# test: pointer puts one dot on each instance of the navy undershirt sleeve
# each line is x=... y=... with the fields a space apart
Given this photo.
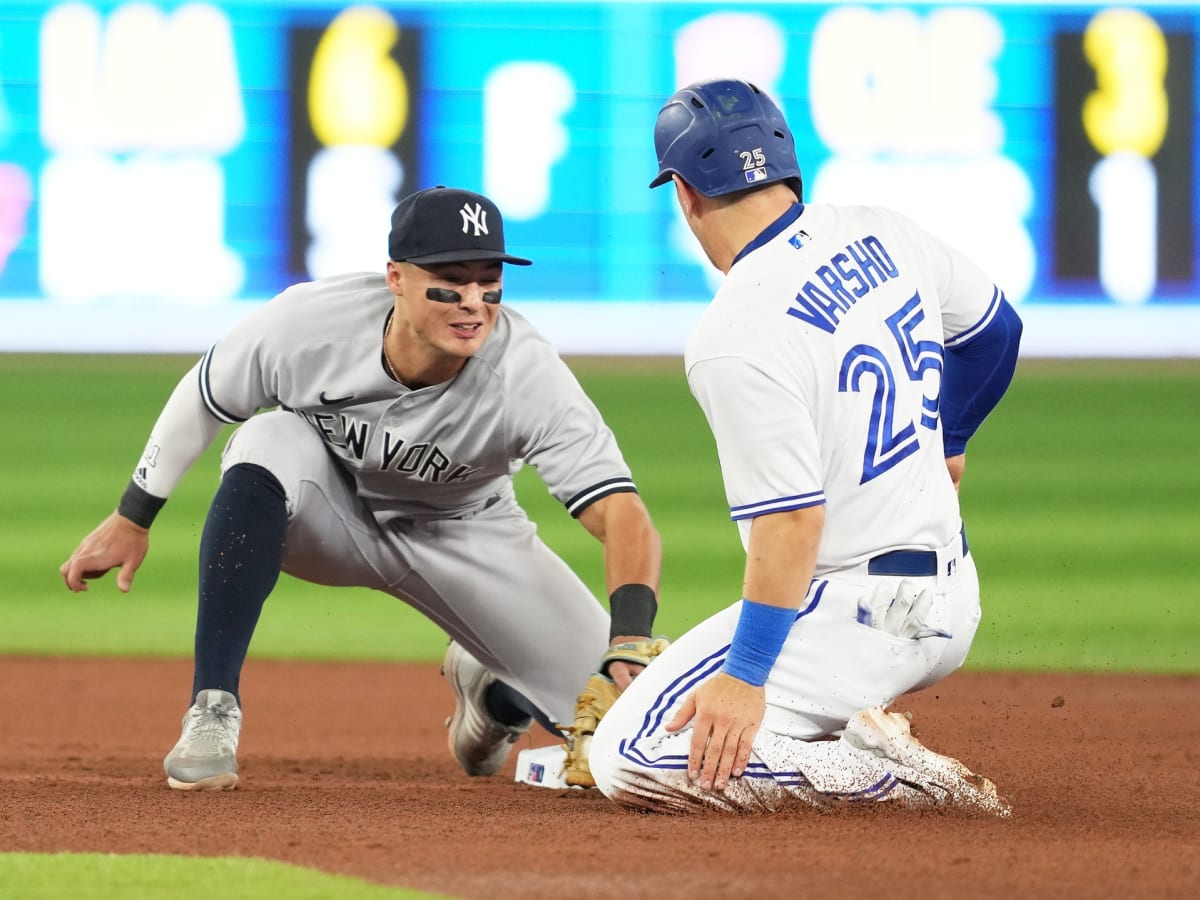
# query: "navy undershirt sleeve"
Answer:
x=975 y=375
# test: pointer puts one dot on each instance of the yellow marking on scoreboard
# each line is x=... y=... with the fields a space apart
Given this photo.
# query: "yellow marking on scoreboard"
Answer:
x=357 y=94
x=1128 y=109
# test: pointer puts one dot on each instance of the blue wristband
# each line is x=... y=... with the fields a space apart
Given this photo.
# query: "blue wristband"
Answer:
x=757 y=640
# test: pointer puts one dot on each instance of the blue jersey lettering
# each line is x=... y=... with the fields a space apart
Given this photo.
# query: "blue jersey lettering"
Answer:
x=848 y=278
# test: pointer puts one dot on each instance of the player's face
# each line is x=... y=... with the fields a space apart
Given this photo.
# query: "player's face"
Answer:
x=446 y=309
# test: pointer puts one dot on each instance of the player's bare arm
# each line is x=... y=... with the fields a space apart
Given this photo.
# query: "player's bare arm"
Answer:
x=726 y=711
x=632 y=556
x=115 y=542
x=632 y=548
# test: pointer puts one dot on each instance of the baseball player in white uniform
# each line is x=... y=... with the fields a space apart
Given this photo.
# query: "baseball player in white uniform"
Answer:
x=842 y=365
x=404 y=404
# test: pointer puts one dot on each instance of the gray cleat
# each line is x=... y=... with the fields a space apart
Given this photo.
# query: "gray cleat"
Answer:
x=478 y=742
x=205 y=759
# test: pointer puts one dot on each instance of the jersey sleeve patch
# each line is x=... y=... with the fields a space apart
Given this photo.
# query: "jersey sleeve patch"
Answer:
x=967 y=333
x=779 y=504
x=206 y=393
x=588 y=496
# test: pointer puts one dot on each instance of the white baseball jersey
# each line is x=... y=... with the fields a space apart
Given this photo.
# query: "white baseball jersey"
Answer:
x=818 y=365
x=440 y=451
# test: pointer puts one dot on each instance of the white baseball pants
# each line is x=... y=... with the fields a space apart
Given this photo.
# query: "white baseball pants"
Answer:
x=830 y=667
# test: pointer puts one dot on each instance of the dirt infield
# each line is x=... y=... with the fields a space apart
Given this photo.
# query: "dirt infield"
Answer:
x=345 y=769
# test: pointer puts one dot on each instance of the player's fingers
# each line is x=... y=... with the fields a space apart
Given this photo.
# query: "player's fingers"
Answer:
x=683 y=715
x=698 y=752
x=725 y=763
x=623 y=673
x=742 y=758
x=73 y=571
x=125 y=576
x=65 y=571
x=84 y=568
x=735 y=755
x=718 y=759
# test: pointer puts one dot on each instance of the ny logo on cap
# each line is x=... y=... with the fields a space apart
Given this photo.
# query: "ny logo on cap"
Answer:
x=476 y=217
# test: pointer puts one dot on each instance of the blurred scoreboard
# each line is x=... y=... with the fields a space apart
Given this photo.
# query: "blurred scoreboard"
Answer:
x=166 y=166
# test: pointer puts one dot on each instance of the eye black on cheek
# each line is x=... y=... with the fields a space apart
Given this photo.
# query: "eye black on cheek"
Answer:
x=492 y=296
x=442 y=295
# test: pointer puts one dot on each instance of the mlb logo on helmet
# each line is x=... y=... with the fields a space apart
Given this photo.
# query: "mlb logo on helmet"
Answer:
x=755 y=175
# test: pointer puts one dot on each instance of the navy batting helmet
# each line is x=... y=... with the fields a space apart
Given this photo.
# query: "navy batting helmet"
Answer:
x=724 y=136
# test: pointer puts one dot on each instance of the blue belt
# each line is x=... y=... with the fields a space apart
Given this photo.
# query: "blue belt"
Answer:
x=914 y=563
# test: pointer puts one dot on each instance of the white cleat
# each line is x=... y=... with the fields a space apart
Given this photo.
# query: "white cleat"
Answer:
x=205 y=759
x=945 y=780
x=478 y=742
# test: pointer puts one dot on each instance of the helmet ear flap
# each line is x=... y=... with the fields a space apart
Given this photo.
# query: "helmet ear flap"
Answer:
x=724 y=136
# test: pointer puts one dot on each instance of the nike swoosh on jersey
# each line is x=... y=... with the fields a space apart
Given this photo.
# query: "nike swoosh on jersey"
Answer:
x=331 y=401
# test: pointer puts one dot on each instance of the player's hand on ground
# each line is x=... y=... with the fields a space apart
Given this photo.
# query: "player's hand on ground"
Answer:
x=725 y=713
x=116 y=542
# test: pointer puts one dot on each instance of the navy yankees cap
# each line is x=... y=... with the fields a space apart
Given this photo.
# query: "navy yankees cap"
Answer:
x=442 y=224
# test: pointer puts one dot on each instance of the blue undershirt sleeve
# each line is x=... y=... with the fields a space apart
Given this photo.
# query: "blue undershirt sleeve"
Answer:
x=975 y=375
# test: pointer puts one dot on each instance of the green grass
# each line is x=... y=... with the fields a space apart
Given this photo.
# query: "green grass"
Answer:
x=1081 y=505
x=1080 y=500
x=99 y=876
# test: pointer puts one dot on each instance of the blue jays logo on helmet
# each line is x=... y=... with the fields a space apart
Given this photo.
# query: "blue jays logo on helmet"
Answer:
x=723 y=136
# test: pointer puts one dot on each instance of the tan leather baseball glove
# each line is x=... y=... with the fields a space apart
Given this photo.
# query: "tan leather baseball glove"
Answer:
x=594 y=702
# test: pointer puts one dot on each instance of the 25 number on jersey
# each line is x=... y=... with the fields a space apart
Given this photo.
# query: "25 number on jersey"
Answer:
x=890 y=440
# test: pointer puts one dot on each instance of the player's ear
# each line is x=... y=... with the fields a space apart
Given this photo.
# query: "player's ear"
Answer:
x=687 y=196
x=395 y=277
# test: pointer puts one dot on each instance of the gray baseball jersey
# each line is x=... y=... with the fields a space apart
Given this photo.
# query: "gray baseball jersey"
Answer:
x=410 y=491
x=437 y=452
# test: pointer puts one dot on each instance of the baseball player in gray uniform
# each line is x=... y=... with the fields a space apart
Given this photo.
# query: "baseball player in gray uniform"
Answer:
x=844 y=362
x=404 y=403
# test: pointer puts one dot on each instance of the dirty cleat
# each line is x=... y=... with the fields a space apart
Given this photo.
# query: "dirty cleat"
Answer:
x=478 y=741
x=945 y=780
x=205 y=759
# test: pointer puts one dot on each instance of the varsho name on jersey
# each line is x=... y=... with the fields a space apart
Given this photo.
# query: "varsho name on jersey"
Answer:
x=847 y=278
